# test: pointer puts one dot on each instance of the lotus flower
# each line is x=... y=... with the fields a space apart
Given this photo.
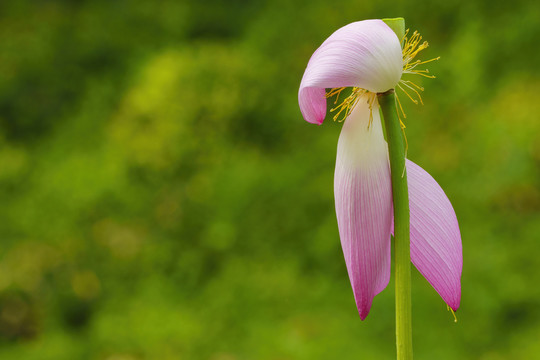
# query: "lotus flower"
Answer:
x=368 y=56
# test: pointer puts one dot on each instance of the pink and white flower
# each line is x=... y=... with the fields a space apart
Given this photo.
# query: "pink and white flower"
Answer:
x=368 y=56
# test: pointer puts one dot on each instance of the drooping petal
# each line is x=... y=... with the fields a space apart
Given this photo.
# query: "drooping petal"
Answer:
x=365 y=54
x=436 y=249
x=363 y=196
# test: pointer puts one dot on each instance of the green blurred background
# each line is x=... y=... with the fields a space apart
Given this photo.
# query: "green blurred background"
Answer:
x=162 y=197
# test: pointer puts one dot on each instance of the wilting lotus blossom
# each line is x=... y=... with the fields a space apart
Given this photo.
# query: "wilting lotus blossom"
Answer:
x=368 y=56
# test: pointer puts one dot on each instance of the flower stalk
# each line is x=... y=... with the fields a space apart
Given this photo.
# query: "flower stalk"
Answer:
x=402 y=252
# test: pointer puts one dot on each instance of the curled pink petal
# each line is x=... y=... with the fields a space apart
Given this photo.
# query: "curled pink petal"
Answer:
x=365 y=54
x=363 y=195
x=435 y=238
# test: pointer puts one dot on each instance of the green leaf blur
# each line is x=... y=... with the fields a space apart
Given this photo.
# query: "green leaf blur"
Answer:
x=162 y=197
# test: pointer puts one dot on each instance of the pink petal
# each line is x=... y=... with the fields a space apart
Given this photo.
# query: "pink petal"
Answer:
x=363 y=195
x=435 y=238
x=365 y=54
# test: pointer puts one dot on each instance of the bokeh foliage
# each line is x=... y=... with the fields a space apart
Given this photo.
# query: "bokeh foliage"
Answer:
x=162 y=197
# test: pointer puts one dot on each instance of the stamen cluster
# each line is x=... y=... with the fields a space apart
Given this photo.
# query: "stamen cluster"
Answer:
x=411 y=48
x=348 y=104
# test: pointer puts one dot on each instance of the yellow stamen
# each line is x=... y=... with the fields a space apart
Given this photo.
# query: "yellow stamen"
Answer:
x=372 y=98
x=412 y=46
x=413 y=84
x=406 y=93
x=345 y=108
x=402 y=112
x=453 y=313
x=408 y=84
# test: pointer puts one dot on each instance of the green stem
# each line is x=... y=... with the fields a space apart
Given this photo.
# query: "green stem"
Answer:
x=402 y=247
